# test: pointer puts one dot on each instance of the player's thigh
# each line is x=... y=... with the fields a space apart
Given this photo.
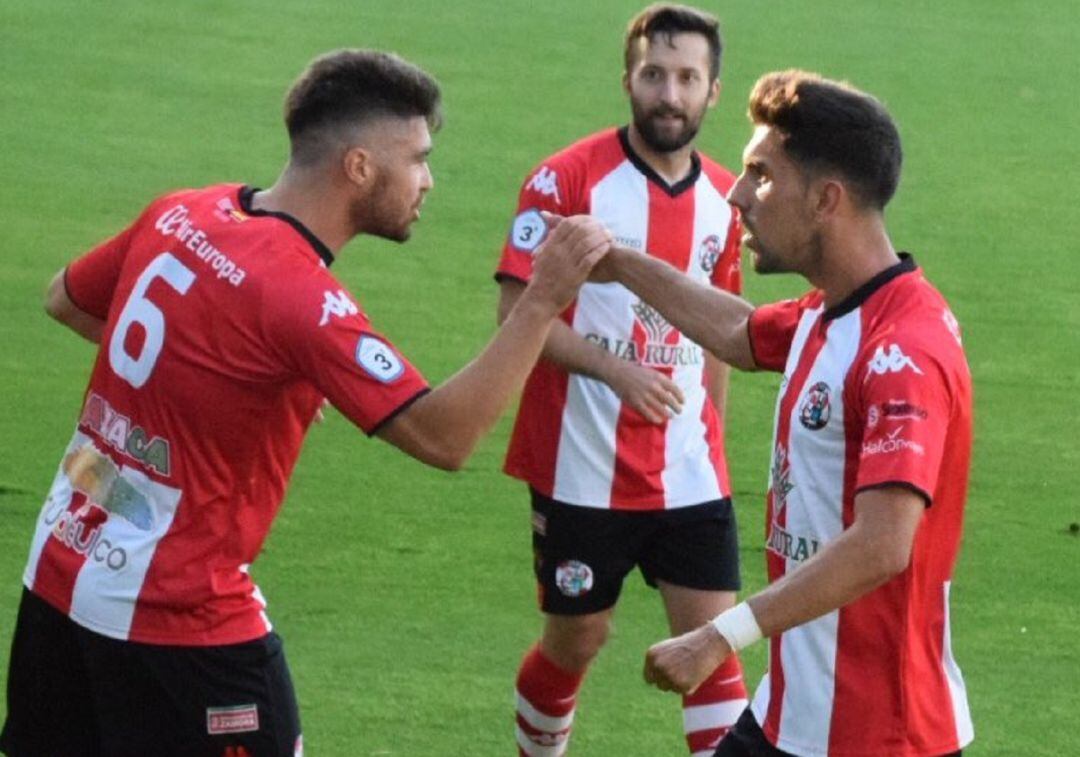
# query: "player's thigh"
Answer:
x=695 y=547
x=688 y=608
x=234 y=700
x=581 y=556
x=48 y=687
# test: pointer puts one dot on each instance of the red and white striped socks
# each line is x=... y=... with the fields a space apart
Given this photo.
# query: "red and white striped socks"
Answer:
x=546 y=696
x=710 y=711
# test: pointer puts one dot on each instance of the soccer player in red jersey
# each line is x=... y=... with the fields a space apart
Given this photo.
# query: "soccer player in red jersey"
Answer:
x=871 y=445
x=222 y=331
x=620 y=431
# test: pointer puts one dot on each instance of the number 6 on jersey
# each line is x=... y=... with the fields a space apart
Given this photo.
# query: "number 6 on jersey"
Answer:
x=138 y=309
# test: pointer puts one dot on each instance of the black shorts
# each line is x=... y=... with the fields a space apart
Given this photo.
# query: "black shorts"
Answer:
x=582 y=554
x=746 y=739
x=76 y=693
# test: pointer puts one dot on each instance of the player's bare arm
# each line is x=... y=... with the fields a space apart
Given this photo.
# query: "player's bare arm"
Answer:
x=874 y=550
x=715 y=319
x=59 y=306
x=443 y=426
x=649 y=392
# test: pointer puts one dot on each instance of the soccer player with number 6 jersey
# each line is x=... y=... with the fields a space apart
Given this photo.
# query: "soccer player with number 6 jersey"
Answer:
x=620 y=431
x=870 y=451
x=221 y=331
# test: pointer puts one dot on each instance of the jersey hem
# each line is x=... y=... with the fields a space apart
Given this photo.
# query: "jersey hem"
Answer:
x=189 y=639
x=928 y=500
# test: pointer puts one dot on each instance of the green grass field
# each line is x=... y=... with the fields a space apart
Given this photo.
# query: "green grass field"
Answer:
x=405 y=595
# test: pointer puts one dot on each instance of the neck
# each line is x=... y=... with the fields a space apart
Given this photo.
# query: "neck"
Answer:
x=852 y=255
x=671 y=166
x=307 y=196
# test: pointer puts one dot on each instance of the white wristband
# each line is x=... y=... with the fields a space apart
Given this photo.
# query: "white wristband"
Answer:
x=738 y=626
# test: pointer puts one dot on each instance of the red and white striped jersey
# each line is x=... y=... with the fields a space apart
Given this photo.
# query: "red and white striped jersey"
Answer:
x=876 y=392
x=574 y=441
x=223 y=332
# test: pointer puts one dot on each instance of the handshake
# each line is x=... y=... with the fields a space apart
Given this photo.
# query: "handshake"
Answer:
x=575 y=250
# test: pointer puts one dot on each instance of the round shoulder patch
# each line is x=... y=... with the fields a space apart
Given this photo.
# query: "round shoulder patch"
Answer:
x=528 y=230
x=375 y=356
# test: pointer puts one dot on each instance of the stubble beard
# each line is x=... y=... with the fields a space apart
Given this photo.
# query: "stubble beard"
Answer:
x=645 y=124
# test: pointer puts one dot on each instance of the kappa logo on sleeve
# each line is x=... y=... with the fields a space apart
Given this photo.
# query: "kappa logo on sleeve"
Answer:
x=528 y=230
x=378 y=360
x=338 y=305
x=546 y=182
x=892 y=362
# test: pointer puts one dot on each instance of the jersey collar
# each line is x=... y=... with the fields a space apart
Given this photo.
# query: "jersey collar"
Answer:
x=246 y=193
x=672 y=190
x=862 y=294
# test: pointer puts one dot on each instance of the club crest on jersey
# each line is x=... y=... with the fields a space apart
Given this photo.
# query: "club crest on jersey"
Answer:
x=545 y=182
x=892 y=362
x=815 y=410
x=709 y=252
x=528 y=230
x=574 y=578
x=338 y=305
x=378 y=360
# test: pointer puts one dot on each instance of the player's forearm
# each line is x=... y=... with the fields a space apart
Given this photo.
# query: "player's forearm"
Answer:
x=564 y=347
x=448 y=422
x=845 y=569
x=60 y=307
x=715 y=319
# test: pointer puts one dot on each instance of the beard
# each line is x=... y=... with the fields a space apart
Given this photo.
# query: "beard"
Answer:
x=647 y=124
x=379 y=215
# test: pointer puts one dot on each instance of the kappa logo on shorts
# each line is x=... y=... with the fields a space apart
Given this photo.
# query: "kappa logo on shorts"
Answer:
x=574 y=578
x=240 y=719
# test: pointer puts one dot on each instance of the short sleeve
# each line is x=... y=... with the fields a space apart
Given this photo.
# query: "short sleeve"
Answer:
x=727 y=274
x=326 y=338
x=904 y=405
x=772 y=329
x=551 y=187
x=91 y=279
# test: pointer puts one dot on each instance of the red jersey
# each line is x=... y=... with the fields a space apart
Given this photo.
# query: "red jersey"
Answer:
x=574 y=440
x=223 y=332
x=876 y=392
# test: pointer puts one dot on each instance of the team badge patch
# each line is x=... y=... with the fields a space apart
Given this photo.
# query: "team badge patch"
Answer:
x=242 y=719
x=375 y=356
x=709 y=252
x=574 y=578
x=815 y=410
x=528 y=230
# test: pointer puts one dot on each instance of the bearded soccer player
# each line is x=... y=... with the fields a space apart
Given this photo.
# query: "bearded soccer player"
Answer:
x=222 y=330
x=620 y=430
x=871 y=444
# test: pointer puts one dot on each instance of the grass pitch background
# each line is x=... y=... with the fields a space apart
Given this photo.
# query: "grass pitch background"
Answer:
x=404 y=594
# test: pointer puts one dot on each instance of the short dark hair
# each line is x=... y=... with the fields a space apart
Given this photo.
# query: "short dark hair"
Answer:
x=349 y=87
x=830 y=125
x=669 y=19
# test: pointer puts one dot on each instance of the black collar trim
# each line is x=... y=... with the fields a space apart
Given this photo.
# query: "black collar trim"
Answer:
x=246 y=195
x=860 y=295
x=673 y=190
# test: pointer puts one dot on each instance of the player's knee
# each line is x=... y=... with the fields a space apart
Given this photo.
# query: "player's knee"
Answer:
x=573 y=642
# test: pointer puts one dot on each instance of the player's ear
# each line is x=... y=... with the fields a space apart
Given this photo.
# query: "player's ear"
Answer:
x=358 y=165
x=830 y=194
x=714 y=92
